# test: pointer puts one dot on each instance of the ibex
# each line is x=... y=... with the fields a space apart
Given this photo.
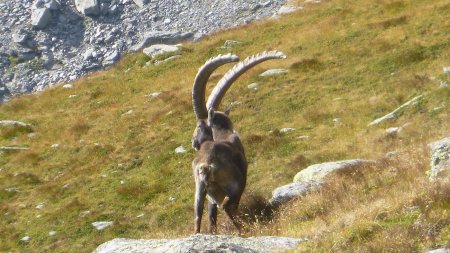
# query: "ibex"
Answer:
x=220 y=166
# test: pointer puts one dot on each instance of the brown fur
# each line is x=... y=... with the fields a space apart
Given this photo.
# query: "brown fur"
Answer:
x=220 y=171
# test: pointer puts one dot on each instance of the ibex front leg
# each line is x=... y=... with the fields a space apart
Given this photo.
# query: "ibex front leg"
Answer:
x=200 y=195
x=212 y=213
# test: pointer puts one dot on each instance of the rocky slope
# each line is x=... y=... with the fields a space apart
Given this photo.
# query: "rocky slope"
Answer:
x=50 y=41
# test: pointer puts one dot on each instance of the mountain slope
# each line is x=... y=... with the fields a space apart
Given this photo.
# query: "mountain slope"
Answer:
x=349 y=63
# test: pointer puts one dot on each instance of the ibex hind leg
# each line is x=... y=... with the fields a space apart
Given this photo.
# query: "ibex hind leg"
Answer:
x=212 y=213
x=230 y=206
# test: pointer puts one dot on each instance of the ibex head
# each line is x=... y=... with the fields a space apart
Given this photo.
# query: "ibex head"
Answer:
x=209 y=120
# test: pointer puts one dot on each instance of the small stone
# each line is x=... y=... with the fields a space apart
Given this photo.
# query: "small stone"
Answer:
x=391 y=154
x=287 y=130
x=40 y=17
x=287 y=9
x=56 y=145
x=100 y=225
x=111 y=58
x=171 y=198
x=267 y=3
x=52 y=233
x=68 y=86
x=140 y=3
x=443 y=84
x=154 y=94
x=25 y=239
x=20 y=37
x=40 y=206
x=229 y=43
x=89 y=54
x=272 y=72
x=158 y=49
x=128 y=113
x=88 y=7
x=393 y=131
x=303 y=137
x=122 y=182
x=166 y=60
x=446 y=70
x=73 y=96
x=180 y=150
x=85 y=213
x=253 y=86
x=167 y=21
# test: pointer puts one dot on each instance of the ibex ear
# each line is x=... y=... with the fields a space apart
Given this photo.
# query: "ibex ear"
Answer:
x=228 y=110
x=211 y=113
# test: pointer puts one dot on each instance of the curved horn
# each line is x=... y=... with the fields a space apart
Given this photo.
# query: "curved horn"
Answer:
x=234 y=73
x=198 y=91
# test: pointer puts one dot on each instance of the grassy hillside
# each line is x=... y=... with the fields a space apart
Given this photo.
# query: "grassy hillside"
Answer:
x=352 y=60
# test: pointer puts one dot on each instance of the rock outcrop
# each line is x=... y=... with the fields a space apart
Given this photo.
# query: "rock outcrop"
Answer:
x=65 y=31
x=201 y=243
x=394 y=114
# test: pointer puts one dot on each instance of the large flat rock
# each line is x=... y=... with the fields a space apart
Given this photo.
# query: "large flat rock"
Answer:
x=201 y=243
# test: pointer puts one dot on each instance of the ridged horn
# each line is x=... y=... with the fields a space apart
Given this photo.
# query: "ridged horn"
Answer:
x=205 y=71
x=227 y=80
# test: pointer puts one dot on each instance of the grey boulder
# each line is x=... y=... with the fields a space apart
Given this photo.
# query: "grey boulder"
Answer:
x=201 y=243
x=318 y=172
x=440 y=159
x=291 y=191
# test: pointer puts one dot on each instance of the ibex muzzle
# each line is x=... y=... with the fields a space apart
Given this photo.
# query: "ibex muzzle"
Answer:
x=220 y=166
